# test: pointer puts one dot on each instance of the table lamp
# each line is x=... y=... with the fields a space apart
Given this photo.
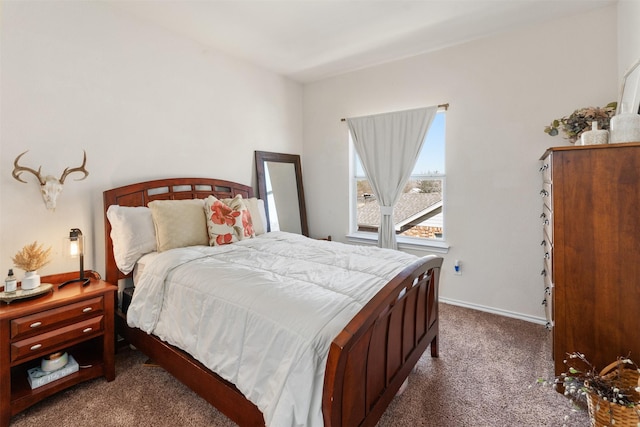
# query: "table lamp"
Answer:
x=76 y=249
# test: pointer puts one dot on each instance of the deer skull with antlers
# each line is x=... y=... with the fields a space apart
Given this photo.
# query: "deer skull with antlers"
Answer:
x=50 y=186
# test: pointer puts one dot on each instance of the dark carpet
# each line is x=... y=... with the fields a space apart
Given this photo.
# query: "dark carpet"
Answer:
x=485 y=376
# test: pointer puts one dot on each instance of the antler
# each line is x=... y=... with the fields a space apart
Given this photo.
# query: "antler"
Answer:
x=81 y=168
x=17 y=170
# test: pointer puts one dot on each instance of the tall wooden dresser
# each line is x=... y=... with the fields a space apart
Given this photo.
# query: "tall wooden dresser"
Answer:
x=591 y=222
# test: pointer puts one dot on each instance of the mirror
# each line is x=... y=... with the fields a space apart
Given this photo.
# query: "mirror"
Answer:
x=280 y=186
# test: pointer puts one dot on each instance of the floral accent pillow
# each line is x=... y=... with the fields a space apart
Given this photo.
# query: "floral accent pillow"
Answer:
x=228 y=220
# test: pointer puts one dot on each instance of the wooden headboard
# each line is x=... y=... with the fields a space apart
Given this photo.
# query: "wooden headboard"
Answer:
x=141 y=193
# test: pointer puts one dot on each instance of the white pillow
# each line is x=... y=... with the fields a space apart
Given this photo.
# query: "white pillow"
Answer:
x=179 y=223
x=132 y=234
x=258 y=214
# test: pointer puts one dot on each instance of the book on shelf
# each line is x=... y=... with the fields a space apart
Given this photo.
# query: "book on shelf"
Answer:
x=37 y=377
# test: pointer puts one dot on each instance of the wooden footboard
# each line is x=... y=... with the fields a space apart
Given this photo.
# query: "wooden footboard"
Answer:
x=371 y=358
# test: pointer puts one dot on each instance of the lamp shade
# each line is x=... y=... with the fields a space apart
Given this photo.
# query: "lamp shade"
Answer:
x=76 y=249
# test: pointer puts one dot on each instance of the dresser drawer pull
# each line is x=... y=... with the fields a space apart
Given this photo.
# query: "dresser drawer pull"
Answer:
x=35 y=347
x=35 y=324
x=547 y=255
x=544 y=193
x=87 y=330
x=544 y=167
x=86 y=310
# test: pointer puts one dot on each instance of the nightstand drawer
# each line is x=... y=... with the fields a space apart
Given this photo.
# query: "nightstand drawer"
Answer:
x=50 y=341
x=28 y=325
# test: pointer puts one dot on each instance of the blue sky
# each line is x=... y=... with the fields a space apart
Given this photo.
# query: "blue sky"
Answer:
x=432 y=157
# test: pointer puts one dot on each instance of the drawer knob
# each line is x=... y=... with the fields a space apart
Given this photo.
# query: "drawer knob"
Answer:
x=87 y=330
x=86 y=310
x=544 y=193
x=547 y=255
x=35 y=347
x=35 y=324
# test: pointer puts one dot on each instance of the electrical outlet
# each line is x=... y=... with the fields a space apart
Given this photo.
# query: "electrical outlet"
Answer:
x=457 y=268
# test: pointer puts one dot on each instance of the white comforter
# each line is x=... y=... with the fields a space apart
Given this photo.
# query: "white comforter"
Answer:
x=262 y=312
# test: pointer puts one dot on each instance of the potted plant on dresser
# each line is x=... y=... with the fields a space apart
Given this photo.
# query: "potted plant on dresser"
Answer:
x=31 y=258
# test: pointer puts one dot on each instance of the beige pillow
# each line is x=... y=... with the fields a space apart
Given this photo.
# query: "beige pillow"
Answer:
x=228 y=220
x=179 y=223
x=258 y=214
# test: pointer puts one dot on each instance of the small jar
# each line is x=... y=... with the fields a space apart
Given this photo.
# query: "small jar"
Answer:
x=10 y=283
x=595 y=135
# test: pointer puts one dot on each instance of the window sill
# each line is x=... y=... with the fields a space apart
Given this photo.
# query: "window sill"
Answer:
x=426 y=245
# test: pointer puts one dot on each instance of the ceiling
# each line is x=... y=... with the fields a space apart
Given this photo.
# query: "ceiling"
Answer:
x=308 y=40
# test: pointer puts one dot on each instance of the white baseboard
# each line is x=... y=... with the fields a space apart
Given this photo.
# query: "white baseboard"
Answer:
x=533 y=319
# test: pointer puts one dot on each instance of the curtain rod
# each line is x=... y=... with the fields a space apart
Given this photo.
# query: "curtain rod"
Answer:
x=440 y=106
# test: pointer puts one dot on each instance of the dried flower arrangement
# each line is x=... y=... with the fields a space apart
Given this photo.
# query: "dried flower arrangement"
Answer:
x=32 y=257
x=580 y=121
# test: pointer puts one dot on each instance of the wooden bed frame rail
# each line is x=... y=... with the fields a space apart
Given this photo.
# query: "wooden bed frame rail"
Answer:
x=367 y=362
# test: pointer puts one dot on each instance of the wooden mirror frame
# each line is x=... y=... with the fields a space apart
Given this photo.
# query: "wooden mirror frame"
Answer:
x=265 y=156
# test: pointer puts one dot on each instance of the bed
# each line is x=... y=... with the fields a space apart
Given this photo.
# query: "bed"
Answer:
x=365 y=363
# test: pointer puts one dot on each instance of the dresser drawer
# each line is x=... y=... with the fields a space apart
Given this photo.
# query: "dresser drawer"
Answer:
x=547 y=274
x=34 y=323
x=546 y=193
x=547 y=225
x=546 y=169
x=548 y=306
x=548 y=264
x=52 y=340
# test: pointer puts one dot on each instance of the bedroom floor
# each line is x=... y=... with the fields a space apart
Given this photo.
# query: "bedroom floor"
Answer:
x=485 y=376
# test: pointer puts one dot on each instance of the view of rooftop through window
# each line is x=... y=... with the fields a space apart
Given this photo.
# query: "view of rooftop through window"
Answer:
x=418 y=213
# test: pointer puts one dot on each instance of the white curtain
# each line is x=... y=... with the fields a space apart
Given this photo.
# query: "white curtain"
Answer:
x=388 y=145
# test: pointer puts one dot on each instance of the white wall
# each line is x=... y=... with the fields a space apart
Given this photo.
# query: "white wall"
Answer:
x=628 y=34
x=503 y=91
x=143 y=103
x=147 y=104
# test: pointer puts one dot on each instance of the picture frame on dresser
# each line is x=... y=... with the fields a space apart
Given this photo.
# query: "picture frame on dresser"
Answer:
x=630 y=90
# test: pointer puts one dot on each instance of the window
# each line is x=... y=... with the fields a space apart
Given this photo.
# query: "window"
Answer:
x=419 y=211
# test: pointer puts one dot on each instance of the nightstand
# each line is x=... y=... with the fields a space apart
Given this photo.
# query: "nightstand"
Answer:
x=75 y=319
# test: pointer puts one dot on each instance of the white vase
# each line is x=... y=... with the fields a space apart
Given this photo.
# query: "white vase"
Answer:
x=625 y=127
x=594 y=136
x=31 y=280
